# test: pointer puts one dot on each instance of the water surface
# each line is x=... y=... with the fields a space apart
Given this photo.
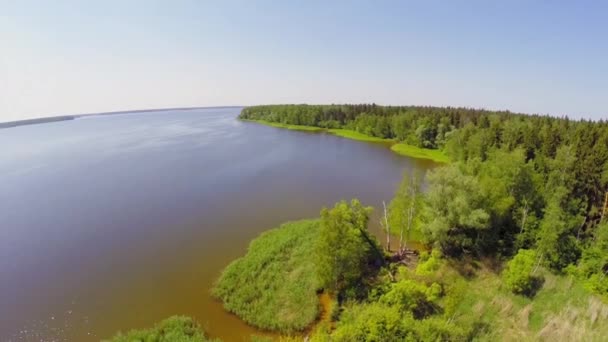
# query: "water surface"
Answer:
x=115 y=222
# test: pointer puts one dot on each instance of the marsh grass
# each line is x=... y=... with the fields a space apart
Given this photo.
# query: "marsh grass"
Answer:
x=274 y=286
x=354 y=135
x=175 y=328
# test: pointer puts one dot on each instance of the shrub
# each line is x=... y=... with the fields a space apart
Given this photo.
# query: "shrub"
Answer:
x=518 y=273
x=172 y=329
x=429 y=264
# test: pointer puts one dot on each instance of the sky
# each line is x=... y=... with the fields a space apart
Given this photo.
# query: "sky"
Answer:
x=71 y=57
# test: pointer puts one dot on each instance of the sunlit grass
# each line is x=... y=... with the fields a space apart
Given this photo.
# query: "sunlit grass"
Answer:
x=418 y=152
x=274 y=285
x=286 y=126
x=562 y=310
x=350 y=134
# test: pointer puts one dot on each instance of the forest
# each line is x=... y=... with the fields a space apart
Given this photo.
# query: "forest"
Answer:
x=514 y=231
x=577 y=149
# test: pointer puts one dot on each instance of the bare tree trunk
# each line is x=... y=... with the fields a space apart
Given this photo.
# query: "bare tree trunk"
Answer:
x=401 y=239
x=388 y=230
x=411 y=213
x=525 y=216
x=578 y=233
x=540 y=258
x=409 y=227
x=604 y=208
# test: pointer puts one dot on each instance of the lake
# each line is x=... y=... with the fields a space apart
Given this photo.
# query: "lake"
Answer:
x=114 y=222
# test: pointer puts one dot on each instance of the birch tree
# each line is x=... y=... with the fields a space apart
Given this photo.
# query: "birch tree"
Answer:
x=405 y=207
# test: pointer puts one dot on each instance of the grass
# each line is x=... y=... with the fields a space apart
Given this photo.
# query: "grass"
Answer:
x=274 y=285
x=176 y=328
x=286 y=126
x=474 y=304
x=562 y=310
x=422 y=153
x=399 y=148
x=350 y=134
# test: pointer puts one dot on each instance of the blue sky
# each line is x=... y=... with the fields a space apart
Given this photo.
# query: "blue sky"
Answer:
x=67 y=57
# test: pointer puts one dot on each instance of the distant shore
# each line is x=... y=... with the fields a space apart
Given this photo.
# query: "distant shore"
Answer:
x=37 y=121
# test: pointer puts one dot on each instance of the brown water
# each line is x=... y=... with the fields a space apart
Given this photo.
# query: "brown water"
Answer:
x=115 y=222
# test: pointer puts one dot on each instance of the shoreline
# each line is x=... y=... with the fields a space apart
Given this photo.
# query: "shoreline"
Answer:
x=399 y=148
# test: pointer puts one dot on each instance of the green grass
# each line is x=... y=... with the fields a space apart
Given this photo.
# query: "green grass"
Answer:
x=399 y=148
x=474 y=304
x=173 y=329
x=350 y=134
x=422 y=153
x=274 y=285
x=286 y=126
x=562 y=310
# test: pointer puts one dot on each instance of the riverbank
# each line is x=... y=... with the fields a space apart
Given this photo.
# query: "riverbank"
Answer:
x=402 y=149
x=291 y=127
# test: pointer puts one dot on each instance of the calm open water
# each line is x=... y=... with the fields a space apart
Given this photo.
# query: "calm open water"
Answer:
x=115 y=222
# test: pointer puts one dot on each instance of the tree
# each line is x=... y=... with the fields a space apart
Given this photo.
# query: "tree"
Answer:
x=509 y=184
x=556 y=243
x=387 y=228
x=344 y=246
x=455 y=213
x=404 y=209
x=593 y=267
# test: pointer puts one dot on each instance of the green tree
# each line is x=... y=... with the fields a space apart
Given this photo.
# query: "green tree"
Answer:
x=455 y=213
x=593 y=267
x=556 y=243
x=344 y=246
x=405 y=208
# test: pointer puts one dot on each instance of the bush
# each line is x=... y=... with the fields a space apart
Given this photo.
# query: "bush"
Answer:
x=429 y=264
x=172 y=329
x=414 y=297
x=518 y=273
x=383 y=323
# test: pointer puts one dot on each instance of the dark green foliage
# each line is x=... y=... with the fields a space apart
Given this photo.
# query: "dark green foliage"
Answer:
x=173 y=329
x=274 y=285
